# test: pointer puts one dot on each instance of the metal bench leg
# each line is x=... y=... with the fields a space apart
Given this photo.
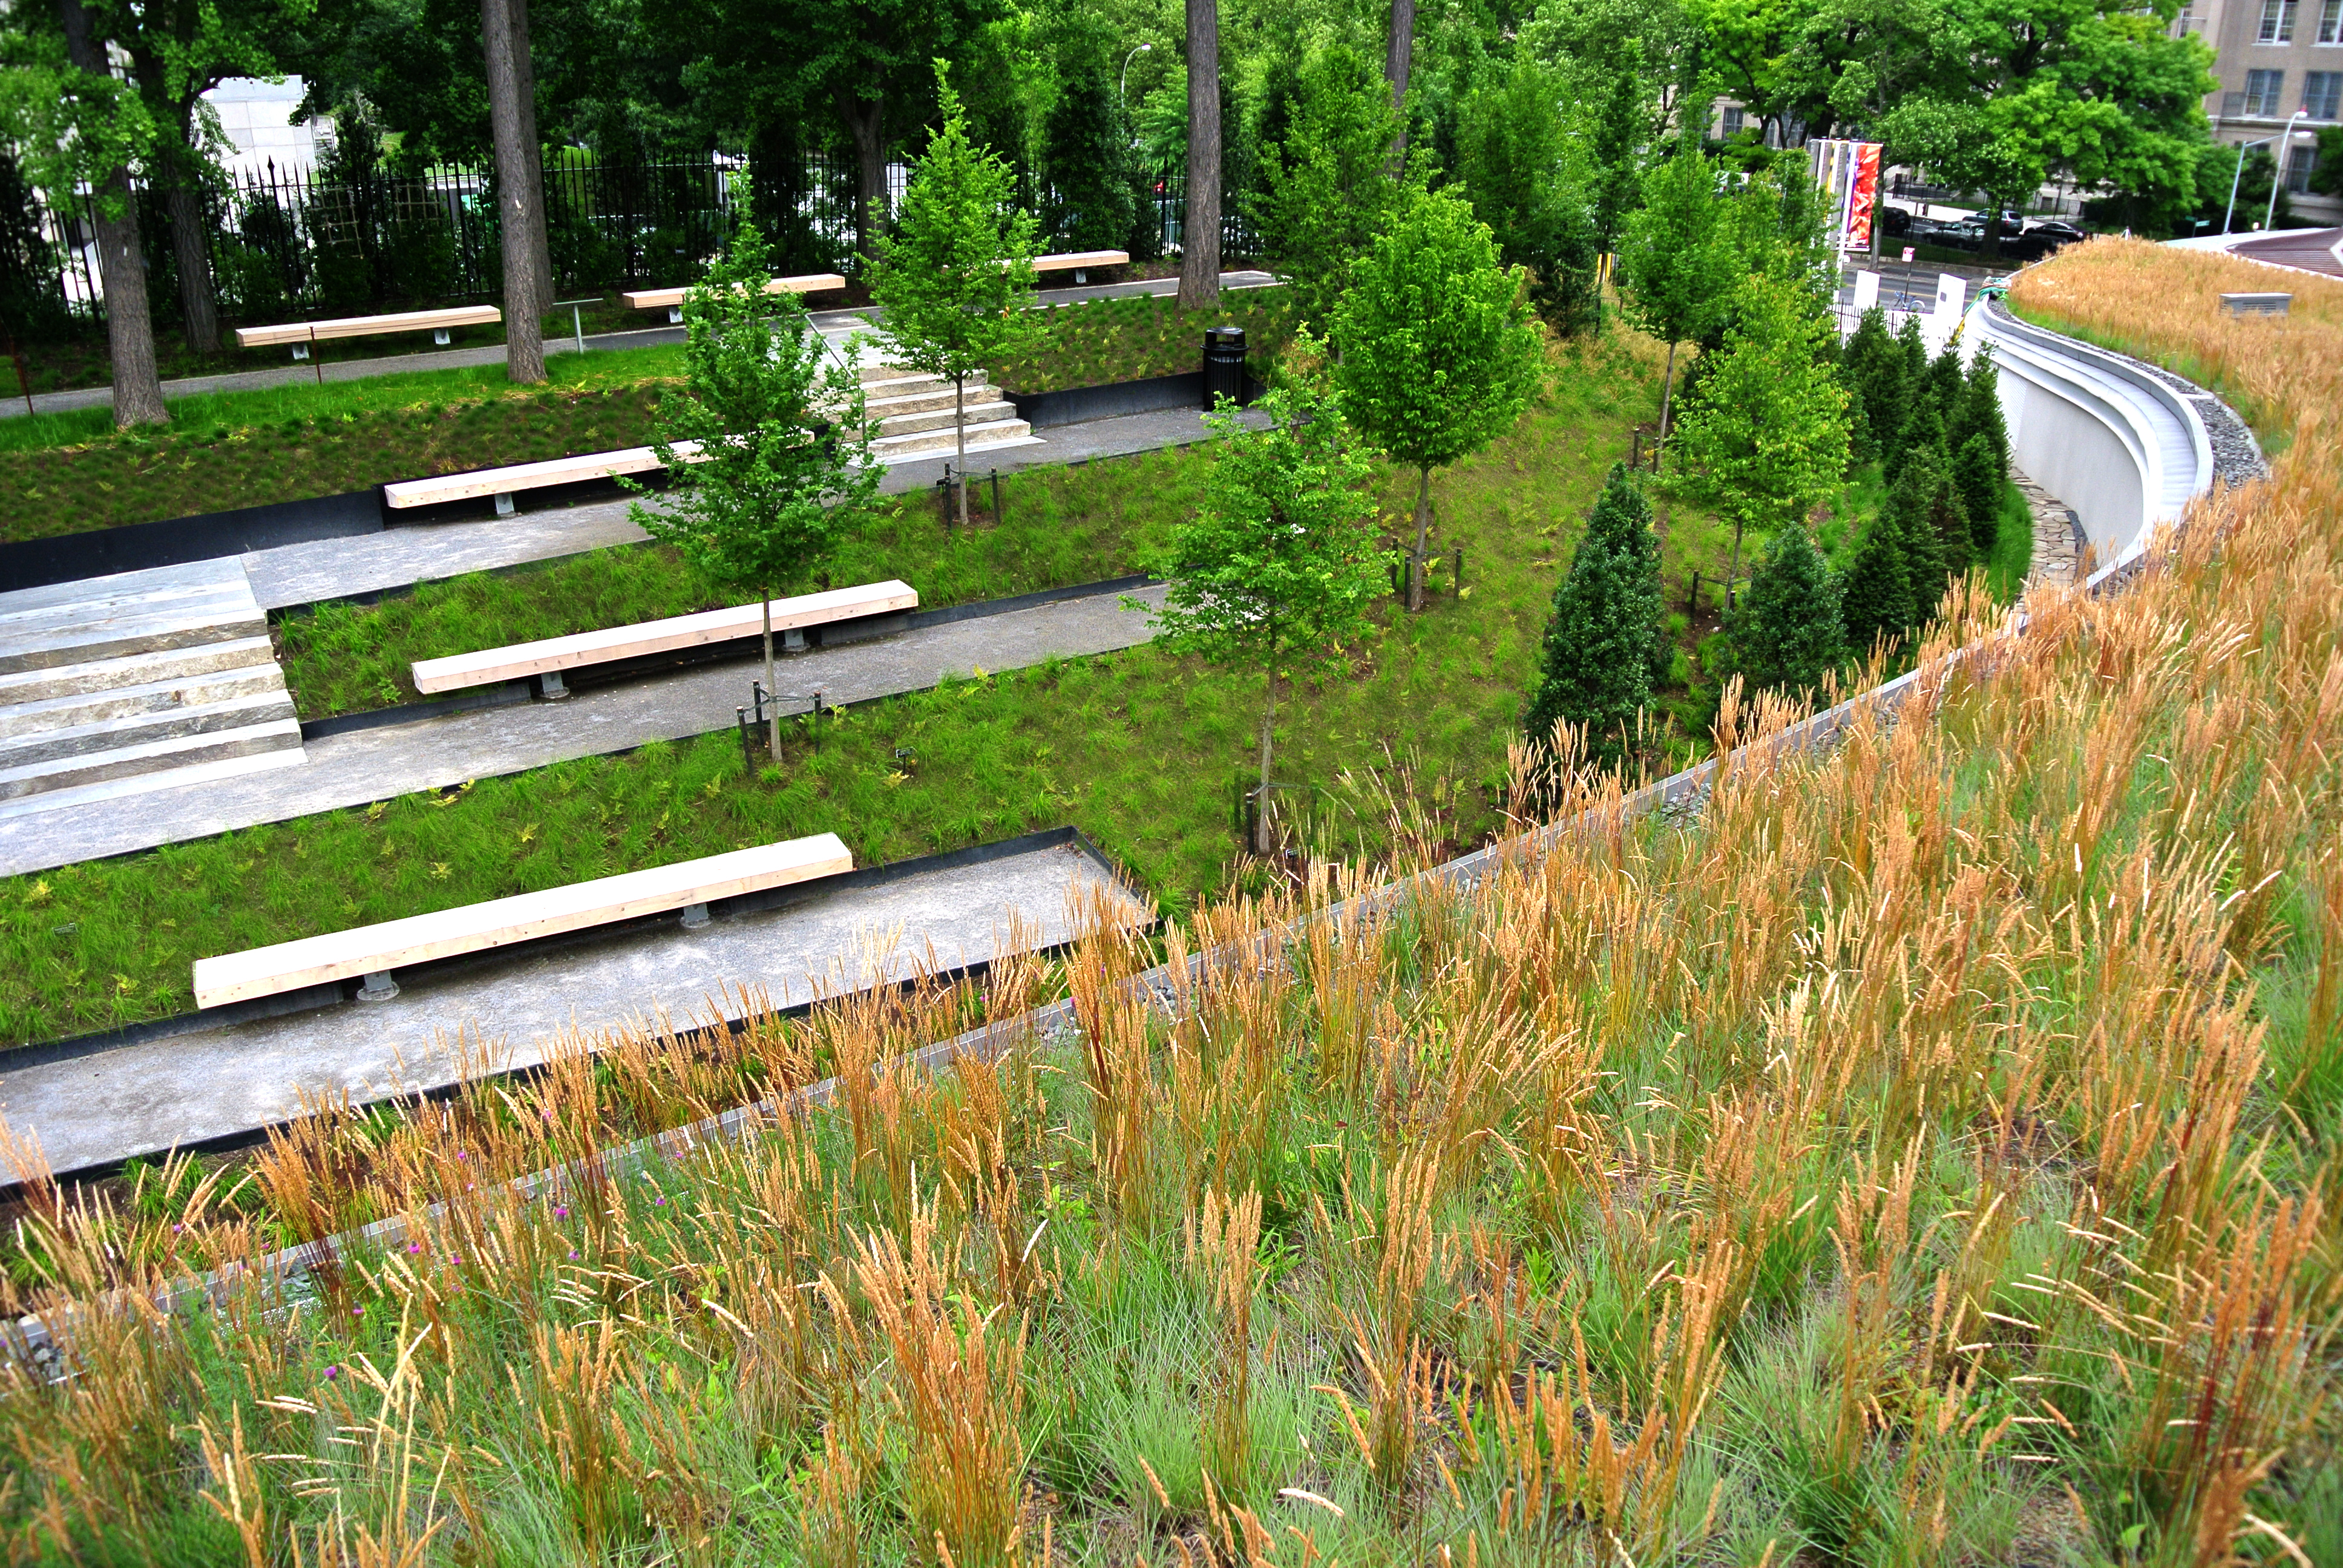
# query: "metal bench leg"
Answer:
x=440 y=335
x=694 y=915
x=300 y=351
x=551 y=688
x=675 y=316
x=792 y=640
x=379 y=987
x=504 y=503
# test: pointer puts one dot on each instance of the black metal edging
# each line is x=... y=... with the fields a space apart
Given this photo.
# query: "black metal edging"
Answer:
x=309 y=999
x=181 y=541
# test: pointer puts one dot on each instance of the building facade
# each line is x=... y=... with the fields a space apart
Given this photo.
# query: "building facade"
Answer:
x=2280 y=65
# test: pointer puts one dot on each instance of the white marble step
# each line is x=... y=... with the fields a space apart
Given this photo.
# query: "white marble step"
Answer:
x=40 y=684
x=136 y=730
x=164 y=760
x=992 y=434
x=115 y=705
x=169 y=775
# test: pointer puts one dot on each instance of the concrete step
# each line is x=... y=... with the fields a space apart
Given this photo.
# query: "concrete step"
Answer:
x=136 y=730
x=157 y=765
x=118 y=704
x=928 y=401
x=53 y=636
x=134 y=669
x=935 y=443
x=987 y=413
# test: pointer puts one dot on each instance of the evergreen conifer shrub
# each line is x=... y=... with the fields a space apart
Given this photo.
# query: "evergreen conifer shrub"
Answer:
x=1595 y=668
x=1622 y=518
x=1876 y=601
x=1786 y=632
x=1978 y=477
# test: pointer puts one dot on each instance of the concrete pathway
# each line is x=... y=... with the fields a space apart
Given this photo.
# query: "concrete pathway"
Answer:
x=372 y=563
x=507 y=1012
x=369 y=765
x=291 y=374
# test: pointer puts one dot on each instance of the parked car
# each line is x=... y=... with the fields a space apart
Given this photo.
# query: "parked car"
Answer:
x=2056 y=231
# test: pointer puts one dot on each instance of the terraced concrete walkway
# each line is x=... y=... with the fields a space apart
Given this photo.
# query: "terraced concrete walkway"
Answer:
x=508 y=1013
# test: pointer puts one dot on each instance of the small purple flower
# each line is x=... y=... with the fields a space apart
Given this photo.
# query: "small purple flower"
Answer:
x=560 y=1212
x=332 y=1373
x=659 y=1200
x=415 y=1246
x=573 y=1252
x=357 y=1312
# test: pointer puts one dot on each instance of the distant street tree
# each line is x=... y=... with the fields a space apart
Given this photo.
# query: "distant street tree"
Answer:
x=1439 y=355
x=1086 y=158
x=1280 y=566
x=1532 y=180
x=1764 y=437
x=956 y=277
x=1674 y=266
x=766 y=448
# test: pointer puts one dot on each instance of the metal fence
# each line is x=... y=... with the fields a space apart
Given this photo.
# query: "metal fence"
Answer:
x=286 y=244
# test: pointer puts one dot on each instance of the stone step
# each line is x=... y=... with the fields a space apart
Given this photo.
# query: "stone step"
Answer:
x=132 y=731
x=931 y=398
x=932 y=443
x=53 y=636
x=118 y=704
x=134 y=669
x=976 y=414
x=161 y=765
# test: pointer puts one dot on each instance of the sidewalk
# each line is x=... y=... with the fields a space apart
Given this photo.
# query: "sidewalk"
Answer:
x=359 y=768
x=555 y=344
x=374 y=563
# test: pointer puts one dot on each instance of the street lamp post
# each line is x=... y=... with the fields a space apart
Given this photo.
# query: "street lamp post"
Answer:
x=2230 y=217
x=1122 y=87
x=2278 y=169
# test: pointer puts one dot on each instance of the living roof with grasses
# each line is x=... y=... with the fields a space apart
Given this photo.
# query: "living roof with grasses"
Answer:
x=1919 y=1152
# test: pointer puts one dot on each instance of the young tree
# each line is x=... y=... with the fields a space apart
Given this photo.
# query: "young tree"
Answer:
x=1439 y=355
x=957 y=273
x=1600 y=659
x=1764 y=435
x=1786 y=632
x=1280 y=566
x=1875 y=605
x=1912 y=507
x=767 y=449
x=1873 y=368
x=1330 y=193
x=1979 y=482
x=1675 y=268
x=507 y=47
x=1199 y=234
x=1532 y=182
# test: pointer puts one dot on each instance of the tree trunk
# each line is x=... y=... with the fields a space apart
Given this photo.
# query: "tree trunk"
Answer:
x=960 y=433
x=121 y=264
x=865 y=122
x=1422 y=527
x=525 y=67
x=1733 y=569
x=1200 y=238
x=191 y=250
x=1261 y=834
x=772 y=700
x=1668 y=396
x=1401 y=55
x=524 y=310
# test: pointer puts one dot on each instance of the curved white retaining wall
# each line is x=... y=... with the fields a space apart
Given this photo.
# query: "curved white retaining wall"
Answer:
x=2124 y=449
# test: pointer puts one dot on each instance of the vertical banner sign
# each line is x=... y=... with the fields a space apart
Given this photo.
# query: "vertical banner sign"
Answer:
x=1863 y=197
x=1848 y=172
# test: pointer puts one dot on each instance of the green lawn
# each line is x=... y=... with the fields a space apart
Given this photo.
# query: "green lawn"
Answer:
x=1107 y=340
x=1138 y=749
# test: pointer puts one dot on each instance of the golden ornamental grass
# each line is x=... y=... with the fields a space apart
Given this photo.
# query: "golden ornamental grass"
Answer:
x=1925 y=1153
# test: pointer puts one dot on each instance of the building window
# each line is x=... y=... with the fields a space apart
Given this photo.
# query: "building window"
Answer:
x=2262 y=88
x=2277 y=22
x=2331 y=22
x=1733 y=119
x=2299 y=162
x=2322 y=93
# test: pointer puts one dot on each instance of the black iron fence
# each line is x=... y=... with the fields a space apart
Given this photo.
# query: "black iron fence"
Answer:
x=286 y=244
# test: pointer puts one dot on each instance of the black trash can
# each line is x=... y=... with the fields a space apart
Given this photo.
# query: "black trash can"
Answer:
x=1225 y=366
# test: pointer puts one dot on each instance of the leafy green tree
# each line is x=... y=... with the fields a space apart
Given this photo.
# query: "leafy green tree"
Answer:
x=1876 y=604
x=1531 y=180
x=1439 y=355
x=1621 y=122
x=767 y=450
x=1331 y=189
x=1764 y=437
x=1606 y=647
x=1675 y=267
x=1280 y=566
x=1786 y=633
x=956 y=274
x=1085 y=153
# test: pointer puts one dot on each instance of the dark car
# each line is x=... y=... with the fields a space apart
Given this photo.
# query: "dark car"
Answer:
x=2054 y=231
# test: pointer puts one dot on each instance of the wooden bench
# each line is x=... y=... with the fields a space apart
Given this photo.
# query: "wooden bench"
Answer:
x=1080 y=260
x=547 y=660
x=672 y=298
x=506 y=483
x=302 y=334
x=373 y=951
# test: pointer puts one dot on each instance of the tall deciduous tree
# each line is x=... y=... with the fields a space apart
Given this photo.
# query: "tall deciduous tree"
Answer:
x=1439 y=355
x=1399 y=56
x=1764 y=437
x=1200 y=233
x=83 y=127
x=766 y=448
x=1086 y=158
x=957 y=275
x=1279 y=567
x=517 y=185
x=1532 y=181
x=1331 y=189
x=1675 y=267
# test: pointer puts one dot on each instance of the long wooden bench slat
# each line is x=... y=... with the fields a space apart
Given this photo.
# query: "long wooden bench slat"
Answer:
x=475 y=483
x=367 y=326
x=684 y=631
x=1067 y=261
x=663 y=298
x=500 y=922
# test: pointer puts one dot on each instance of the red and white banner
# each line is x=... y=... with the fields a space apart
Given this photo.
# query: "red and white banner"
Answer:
x=1848 y=172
